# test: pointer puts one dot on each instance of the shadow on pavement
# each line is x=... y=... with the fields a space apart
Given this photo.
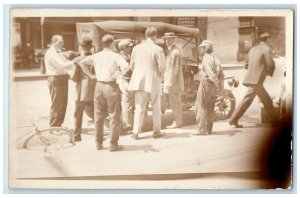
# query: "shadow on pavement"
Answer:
x=87 y=131
x=146 y=148
x=229 y=132
x=55 y=162
x=169 y=135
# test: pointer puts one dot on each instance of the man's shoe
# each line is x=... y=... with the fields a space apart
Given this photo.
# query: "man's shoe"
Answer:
x=135 y=136
x=174 y=125
x=235 y=124
x=99 y=146
x=158 y=134
x=77 y=138
x=199 y=133
x=115 y=147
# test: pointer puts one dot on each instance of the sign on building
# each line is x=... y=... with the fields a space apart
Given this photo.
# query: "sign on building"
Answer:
x=186 y=21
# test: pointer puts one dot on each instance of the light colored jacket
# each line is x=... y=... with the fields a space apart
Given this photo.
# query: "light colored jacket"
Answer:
x=148 y=66
x=259 y=64
x=173 y=79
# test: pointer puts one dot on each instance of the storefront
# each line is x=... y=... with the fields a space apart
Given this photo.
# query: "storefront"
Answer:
x=232 y=36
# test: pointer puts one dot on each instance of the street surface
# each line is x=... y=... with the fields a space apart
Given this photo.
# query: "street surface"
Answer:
x=179 y=154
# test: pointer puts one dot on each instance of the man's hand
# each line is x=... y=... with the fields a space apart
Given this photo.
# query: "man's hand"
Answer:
x=93 y=77
x=78 y=59
x=167 y=89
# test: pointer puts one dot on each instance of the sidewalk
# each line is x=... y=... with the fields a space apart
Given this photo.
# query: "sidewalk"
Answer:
x=179 y=155
x=27 y=75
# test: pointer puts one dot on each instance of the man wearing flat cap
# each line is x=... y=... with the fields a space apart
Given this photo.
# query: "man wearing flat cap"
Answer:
x=173 y=79
x=210 y=85
x=84 y=90
x=127 y=97
x=259 y=65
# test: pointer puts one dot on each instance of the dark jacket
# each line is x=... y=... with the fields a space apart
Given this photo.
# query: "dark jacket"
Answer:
x=85 y=87
x=259 y=64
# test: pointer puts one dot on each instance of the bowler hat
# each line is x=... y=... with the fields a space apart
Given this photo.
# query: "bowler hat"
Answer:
x=169 y=35
x=86 y=42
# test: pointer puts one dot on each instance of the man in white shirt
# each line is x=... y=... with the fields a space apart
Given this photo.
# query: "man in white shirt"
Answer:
x=127 y=98
x=57 y=67
x=107 y=101
x=210 y=85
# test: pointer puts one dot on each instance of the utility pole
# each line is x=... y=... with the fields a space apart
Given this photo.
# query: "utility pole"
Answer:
x=42 y=66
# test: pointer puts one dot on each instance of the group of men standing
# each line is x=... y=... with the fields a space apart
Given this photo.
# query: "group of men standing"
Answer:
x=120 y=85
x=116 y=82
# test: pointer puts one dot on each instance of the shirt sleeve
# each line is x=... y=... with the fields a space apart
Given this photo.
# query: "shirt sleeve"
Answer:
x=60 y=62
x=161 y=61
x=132 y=59
x=122 y=64
x=176 y=62
x=220 y=73
x=207 y=65
x=88 y=60
x=269 y=62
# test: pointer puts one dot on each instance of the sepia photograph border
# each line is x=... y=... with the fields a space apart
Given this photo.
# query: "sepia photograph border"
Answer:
x=107 y=11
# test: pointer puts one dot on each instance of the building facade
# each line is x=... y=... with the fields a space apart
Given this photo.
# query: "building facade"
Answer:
x=232 y=36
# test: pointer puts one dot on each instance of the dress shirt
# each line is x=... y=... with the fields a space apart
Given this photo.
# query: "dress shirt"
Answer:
x=209 y=68
x=107 y=64
x=55 y=63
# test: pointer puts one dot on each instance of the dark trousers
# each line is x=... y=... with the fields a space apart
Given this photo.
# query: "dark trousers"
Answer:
x=107 y=102
x=205 y=102
x=80 y=107
x=58 y=86
x=264 y=97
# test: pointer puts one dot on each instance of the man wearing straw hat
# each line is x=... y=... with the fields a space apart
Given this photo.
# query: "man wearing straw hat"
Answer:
x=173 y=79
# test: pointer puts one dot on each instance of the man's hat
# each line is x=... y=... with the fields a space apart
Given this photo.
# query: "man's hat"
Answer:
x=264 y=35
x=125 y=42
x=86 y=42
x=169 y=35
x=206 y=43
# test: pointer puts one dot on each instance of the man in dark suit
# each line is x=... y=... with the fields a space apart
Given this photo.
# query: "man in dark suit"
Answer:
x=259 y=64
x=84 y=91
